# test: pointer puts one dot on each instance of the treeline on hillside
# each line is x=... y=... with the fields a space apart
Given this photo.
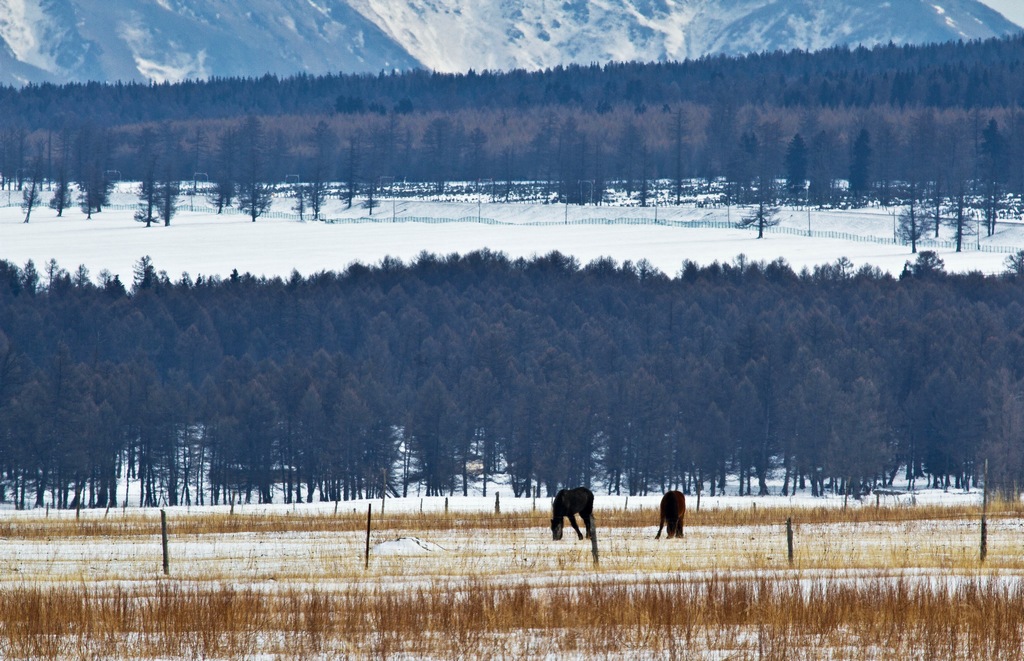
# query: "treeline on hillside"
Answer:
x=445 y=372
x=984 y=74
x=938 y=129
x=944 y=166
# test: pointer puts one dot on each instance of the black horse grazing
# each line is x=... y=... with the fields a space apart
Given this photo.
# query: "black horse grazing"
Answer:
x=673 y=509
x=570 y=502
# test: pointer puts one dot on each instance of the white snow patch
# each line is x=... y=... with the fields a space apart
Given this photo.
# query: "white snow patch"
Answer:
x=406 y=546
x=173 y=66
x=21 y=23
x=184 y=67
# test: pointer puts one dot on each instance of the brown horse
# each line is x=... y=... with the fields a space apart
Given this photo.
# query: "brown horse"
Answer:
x=673 y=509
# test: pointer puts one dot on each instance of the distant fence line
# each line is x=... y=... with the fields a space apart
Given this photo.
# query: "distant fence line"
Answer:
x=682 y=224
x=385 y=218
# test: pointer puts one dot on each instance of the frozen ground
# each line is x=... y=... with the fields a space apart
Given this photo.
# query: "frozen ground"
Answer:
x=291 y=556
x=200 y=242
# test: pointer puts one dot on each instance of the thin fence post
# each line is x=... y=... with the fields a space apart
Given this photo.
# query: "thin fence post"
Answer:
x=446 y=505
x=369 y=513
x=593 y=540
x=497 y=503
x=984 y=538
x=163 y=539
x=984 y=516
x=789 y=538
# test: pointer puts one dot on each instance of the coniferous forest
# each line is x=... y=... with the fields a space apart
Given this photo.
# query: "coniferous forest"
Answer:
x=451 y=371
x=435 y=375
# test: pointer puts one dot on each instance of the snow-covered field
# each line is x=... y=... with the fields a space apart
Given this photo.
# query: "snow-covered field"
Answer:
x=433 y=555
x=202 y=243
x=306 y=551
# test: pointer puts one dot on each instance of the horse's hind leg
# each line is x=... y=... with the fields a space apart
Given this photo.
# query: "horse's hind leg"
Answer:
x=572 y=520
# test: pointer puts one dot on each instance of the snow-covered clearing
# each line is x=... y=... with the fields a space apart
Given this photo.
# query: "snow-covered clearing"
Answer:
x=200 y=242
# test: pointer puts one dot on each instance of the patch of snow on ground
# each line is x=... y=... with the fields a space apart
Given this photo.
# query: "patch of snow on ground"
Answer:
x=200 y=242
x=406 y=546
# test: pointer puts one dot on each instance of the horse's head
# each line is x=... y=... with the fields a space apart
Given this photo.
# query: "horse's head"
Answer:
x=556 y=527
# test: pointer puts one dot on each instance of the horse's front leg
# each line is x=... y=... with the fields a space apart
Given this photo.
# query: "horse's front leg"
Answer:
x=572 y=520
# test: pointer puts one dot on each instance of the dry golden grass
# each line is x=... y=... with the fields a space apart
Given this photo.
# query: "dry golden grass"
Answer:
x=97 y=523
x=865 y=583
x=744 y=618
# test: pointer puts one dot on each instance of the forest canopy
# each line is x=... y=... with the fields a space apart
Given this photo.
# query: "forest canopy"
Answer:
x=451 y=372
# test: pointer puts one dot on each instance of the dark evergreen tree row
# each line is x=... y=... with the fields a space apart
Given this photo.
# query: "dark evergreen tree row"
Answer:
x=949 y=167
x=451 y=370
x=983 y=74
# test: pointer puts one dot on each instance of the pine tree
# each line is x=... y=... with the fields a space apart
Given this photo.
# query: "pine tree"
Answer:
x=33 y=188
x=254 y=193
x=796 y=166
x=992 y=166
x=147 y=153
x=860 y=168
x=61 y=199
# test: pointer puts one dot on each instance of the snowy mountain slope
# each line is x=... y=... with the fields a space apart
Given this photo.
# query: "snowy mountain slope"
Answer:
x=455 y=35
x=172 y=40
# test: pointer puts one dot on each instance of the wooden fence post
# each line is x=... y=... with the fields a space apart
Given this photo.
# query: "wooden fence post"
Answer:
x=593 y=539
x=369 y=511
x=984 y=515
x=163 y=538
x=789 y=538
x=497 y=503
